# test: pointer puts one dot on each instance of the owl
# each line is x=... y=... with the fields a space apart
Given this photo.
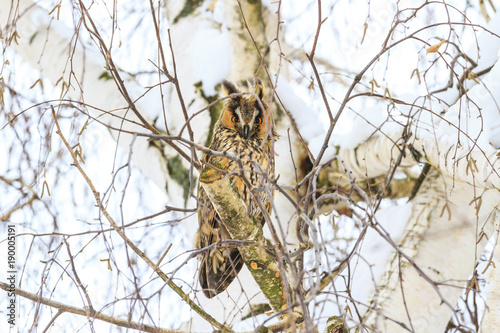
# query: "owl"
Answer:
x=245 y=128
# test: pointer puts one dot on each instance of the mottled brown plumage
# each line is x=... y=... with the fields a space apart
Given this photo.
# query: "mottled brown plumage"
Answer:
x=247 y=130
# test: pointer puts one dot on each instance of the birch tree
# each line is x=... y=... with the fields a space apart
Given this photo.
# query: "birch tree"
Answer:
x=385 y=217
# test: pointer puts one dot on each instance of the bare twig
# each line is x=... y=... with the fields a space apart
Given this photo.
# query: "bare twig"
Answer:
x=84 y=312
x=120 y=232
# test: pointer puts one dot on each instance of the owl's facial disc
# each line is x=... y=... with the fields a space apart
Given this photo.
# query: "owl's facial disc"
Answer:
x=245 y=124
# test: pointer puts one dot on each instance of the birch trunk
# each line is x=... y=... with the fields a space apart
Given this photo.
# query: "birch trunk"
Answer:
x=248 y=43
x=491 y=319
x=441 y=239
x=250 y=27
x=375 y=157
x=451 y=211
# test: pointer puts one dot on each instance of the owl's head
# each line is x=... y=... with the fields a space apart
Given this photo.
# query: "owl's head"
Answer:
x=247 y=115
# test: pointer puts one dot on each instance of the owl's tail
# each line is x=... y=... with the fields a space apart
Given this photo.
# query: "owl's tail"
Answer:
x=216 y=280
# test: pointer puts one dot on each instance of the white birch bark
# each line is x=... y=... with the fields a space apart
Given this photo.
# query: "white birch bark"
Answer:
x=200 y=30
x=441 y=238
x=491 y=319
x=477 y=168
x=376 y=156
x=245 y=57
x=438 y=245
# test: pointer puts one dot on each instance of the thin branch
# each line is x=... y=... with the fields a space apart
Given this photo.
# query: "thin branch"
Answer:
x=84 y=312
x=94 y=32
x=59 y=312
x=120 y=232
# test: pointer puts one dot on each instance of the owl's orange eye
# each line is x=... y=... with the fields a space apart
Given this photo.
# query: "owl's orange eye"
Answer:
x=235 y=119
x=258 y=120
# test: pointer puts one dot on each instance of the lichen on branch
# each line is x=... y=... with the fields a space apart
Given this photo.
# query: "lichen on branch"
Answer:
x=242 y=226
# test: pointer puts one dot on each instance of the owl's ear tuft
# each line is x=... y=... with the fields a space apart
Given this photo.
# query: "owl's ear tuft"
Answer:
x=230 y=88
x=258 y=88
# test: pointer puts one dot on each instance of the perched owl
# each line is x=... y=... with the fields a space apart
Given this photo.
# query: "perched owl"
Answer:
x=247 y=130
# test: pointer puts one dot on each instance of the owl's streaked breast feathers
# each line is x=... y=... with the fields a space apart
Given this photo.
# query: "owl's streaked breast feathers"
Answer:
x=245 y=128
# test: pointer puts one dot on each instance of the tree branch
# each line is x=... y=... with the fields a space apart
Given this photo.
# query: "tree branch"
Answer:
x=120 y=232
x=84 y=312
x=242 y=226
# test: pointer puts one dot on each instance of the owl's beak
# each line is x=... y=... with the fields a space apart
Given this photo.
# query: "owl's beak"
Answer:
x=246 y=131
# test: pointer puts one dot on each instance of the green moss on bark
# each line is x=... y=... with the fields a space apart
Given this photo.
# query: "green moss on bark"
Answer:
x=335 y=325
x=189 y=7
x=179 y=174
x=241 y=226
x=214 y=110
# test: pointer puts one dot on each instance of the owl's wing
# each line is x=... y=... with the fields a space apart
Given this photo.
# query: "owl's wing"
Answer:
x=219 y=265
